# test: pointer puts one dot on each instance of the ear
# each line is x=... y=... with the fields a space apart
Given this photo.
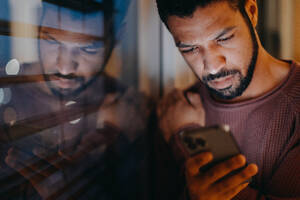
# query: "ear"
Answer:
x=252 y=11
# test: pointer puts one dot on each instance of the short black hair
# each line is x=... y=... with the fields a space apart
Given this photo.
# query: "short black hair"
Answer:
x=186 y=8
x=83 y=8
x=114 y=10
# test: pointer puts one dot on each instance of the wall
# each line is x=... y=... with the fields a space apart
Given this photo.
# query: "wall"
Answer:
x=296 y=30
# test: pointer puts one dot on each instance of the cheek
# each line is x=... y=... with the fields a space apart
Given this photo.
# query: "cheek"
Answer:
x=48 y=49
x=195 y=63
x=239 y=57
x=48 y=57
x=242 y=52
x=89 y=65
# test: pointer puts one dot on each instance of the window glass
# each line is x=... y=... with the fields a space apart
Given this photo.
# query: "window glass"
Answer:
x=70 y=128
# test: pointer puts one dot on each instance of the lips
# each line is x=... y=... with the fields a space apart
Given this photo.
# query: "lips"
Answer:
x=222 y=83
x=64 y=83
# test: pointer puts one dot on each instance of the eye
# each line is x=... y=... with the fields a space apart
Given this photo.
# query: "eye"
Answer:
x=225 y=39
x=189 y=50
x=51 y=41
x=90 y=50
x=93 y=48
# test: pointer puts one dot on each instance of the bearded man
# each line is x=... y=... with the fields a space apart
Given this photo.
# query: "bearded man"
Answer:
x=241 y=85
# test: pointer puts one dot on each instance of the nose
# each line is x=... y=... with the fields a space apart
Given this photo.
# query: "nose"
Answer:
x=66 y=60
x=214 y=61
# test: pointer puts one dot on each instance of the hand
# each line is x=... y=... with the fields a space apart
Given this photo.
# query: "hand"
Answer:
x=176 y=111
x=128 y=112
x=213 y=185
x=55 y=174
x=45 y=178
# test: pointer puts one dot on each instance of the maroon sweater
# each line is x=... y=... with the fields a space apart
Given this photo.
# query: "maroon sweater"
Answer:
x=267 y=130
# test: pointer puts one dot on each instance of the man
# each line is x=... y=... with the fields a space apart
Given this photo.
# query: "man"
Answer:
x=68 y=128
x=240 y=85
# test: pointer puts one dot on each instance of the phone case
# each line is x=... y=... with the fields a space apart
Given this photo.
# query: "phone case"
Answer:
x=216 y=139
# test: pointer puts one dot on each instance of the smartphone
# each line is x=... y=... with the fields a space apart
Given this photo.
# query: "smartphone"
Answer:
x=216 y=139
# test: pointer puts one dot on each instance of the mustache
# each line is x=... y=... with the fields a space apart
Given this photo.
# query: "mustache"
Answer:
x=220 y=74
x=68 y=76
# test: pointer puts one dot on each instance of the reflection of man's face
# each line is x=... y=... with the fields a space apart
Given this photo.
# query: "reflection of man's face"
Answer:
x=71 y=49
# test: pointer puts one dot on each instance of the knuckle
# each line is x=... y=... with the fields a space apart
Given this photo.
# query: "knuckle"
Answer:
x=199 y=160
x=189 y=168
x=225 y=184
x=211 y=174
x=234 y=162
x=229 y=164
x=221 y=187
x=244 y=174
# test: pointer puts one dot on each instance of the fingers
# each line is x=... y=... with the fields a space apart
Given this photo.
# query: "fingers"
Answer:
x=218 y=182
x=13 y=160
x=45 y=178
x=195 y=163
x=179 y=109
x=36 y=164
x=51 y=157
x=168 y=101
x=233 y=192
x=14 y=154
x=222 y=169
x=29 y=174
x=194 y=99
x=110 y=99
x=236 y=180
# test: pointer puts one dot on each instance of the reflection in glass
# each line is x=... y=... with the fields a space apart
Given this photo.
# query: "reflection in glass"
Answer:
x=68 y=130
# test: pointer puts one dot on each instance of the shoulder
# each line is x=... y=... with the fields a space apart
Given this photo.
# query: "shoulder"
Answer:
x=292 y=88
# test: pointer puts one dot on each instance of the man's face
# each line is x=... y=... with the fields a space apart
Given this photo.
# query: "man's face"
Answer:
x=71 y=48
x=219 y=46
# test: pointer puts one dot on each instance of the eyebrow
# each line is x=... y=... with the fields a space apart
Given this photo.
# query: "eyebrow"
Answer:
x=182 y=45
x=71 y=34
x=222 y=33
x=225 y=31
x=94 y=43
x=49 y=36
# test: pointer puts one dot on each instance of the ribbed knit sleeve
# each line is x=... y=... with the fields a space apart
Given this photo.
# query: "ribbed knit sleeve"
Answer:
x=284 y=184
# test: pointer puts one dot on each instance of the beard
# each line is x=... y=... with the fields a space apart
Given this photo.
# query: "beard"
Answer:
x=64 y=93
x=243 y=81
x=70 y=93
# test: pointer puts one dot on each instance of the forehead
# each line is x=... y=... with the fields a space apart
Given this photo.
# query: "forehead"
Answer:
x=60 y=18
x=204 y=22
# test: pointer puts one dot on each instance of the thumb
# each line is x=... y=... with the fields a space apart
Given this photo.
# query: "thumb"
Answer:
x=110 y=99
x=194 y=99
